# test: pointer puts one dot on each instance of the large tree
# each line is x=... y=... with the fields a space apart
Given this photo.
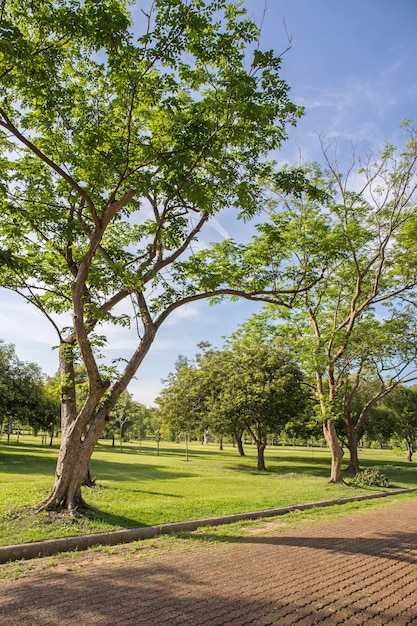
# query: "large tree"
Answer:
x=361 y=235
x=116 y=151
x=383 y=357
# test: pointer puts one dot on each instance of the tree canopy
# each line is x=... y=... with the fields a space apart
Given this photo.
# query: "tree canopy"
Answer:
x=353 y=252
x=25 y=399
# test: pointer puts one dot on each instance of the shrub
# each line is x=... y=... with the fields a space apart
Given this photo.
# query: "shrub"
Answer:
x=370 y=478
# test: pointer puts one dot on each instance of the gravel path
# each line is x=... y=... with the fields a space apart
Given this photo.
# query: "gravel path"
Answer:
x=359 y=569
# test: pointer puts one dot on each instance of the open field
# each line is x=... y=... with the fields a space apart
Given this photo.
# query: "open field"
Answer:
x=138 y=488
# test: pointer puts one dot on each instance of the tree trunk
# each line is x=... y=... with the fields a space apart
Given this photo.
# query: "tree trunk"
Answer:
x=238 y=439
x=353 y=467
x=88 y=480
x=73 y=467
x=410 y=451
x=332 y=439
x=261 y=445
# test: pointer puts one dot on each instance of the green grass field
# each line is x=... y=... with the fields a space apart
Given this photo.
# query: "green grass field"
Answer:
x=138 y=488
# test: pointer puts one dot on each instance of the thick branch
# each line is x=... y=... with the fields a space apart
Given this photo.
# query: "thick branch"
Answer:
x=7 y=123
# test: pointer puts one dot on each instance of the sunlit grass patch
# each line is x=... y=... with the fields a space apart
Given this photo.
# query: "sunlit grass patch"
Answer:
x=137 y=488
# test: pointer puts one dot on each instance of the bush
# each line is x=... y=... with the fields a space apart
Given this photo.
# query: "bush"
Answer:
x=370 y=478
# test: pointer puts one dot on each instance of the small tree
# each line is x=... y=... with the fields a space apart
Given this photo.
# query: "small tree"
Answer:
x=181 y=402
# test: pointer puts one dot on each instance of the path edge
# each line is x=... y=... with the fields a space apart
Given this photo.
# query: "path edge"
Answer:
x=50 y=547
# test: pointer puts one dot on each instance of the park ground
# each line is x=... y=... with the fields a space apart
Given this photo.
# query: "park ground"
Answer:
x=355 y=567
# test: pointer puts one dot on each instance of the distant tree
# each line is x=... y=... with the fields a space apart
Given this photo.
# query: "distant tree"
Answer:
x=238 y=389
x=213 y=367
x=131 y=419
x=25 y=398
x=8 y=361
x=182 y=401
x=402 y=405
x=264 y=389
x=120 y=418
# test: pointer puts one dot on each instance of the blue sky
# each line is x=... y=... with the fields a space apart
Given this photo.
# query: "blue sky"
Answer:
x=352 y=65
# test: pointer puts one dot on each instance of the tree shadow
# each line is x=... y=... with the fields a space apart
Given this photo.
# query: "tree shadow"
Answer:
x=297 y=465
x=398 y=546
x=173 y=590
x=113 y=520
x=126 y=472
x=23 y=463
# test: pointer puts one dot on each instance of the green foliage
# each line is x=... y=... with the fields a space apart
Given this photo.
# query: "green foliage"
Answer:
x=370 y=478
x=251 y=389
x=25 y=397
x=348 y=252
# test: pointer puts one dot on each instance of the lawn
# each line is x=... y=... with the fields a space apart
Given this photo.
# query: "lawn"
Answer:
x=138 y=488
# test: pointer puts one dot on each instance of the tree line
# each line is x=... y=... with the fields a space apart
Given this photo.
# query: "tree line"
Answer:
x=26 y=397
x=258 y=391
x=119 y=145
x=31 y=400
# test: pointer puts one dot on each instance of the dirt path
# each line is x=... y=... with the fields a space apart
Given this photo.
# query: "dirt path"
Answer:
x=360 y=569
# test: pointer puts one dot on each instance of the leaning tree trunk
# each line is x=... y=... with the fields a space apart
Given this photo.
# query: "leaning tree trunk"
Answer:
x=353 y=467
x=73 y=466
x=336 y=450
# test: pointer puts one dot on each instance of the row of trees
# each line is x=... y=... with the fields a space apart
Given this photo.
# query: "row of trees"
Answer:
x=234 y=391
x=260 y=391
x=117 y=151
x=26 y=396
x=30 y=399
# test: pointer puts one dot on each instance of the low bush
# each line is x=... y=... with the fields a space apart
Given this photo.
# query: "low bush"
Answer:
x=370 y=478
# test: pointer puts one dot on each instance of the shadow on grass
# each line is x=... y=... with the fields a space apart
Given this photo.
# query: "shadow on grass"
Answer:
x=126 y=472
x=296 y=465
x=113 y=521
x=24 y=463
x=23 y=460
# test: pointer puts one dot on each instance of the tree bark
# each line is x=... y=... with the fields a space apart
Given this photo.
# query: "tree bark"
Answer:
x=353 y=467
x=336 y=450
x=73 y=467
x=261 y=445
x=239 y=443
